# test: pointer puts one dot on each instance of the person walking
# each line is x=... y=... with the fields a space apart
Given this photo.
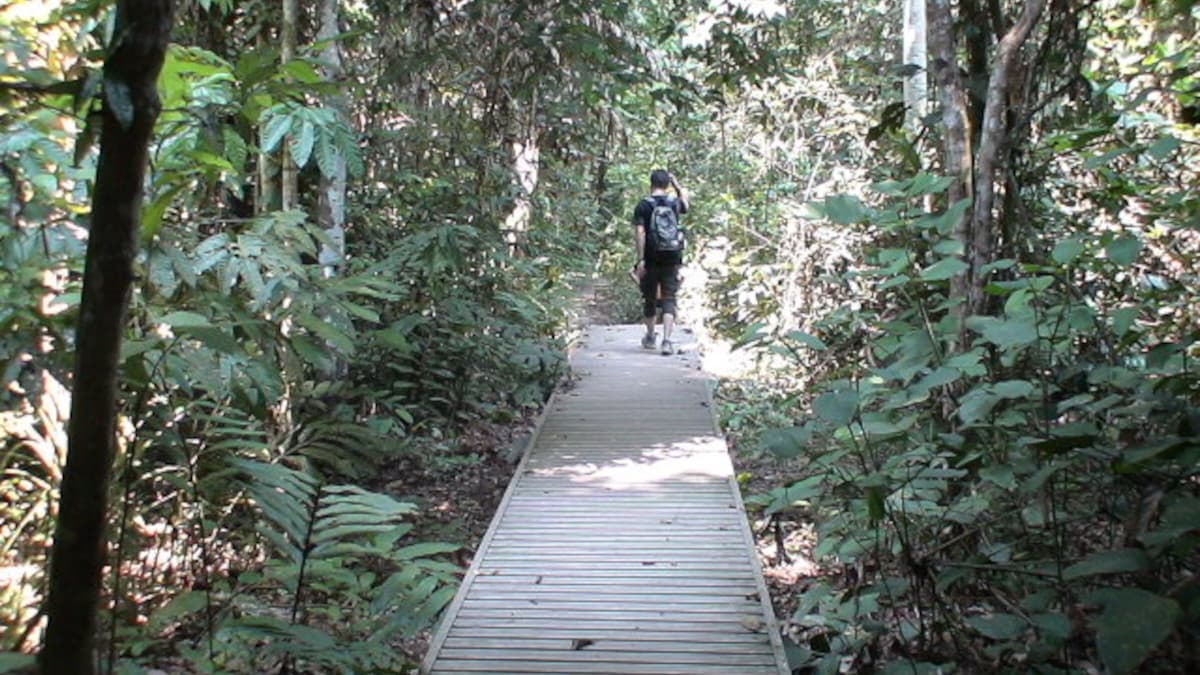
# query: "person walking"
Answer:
x=659 y=241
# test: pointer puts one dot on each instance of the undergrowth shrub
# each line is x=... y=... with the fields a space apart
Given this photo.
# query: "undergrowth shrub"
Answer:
x=1018 y=490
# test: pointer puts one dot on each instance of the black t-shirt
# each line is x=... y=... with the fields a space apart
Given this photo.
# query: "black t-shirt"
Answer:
x=641 y=217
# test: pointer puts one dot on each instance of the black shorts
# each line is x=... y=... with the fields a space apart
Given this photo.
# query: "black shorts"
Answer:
x=660 y=282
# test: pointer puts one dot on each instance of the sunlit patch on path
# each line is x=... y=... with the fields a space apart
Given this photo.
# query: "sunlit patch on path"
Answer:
x=622 y=545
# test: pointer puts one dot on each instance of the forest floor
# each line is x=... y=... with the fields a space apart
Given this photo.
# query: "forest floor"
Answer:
x=458 y=494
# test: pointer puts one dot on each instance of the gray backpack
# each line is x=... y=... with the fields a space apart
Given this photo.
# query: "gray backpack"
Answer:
x=664 y=234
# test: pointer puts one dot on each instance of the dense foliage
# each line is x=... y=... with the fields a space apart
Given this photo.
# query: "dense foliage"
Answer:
x=997 y=456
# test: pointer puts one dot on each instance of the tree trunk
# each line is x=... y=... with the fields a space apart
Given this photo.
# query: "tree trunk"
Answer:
x=526 y=164
x=957 y=161
x=131 y=107
x=290 y=182
x=980 y=249
x=916 y=86
x=267 y=196
x=978 y=44
x=332 y=209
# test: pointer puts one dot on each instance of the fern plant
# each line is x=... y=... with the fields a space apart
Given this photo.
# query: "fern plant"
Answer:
x=344 y=570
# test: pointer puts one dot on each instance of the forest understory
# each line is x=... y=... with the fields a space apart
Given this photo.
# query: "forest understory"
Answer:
x=283 y=284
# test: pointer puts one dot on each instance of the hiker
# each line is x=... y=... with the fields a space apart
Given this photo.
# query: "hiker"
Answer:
x=659 y=242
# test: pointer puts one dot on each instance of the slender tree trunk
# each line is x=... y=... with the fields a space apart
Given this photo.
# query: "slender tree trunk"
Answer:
x=267 y=195
x=526 y=165
x=977 y=44
x=290 y=184
x=332 y=211
x=957 y=160
x=131 y=107
x=992 y=137
x=916 y=86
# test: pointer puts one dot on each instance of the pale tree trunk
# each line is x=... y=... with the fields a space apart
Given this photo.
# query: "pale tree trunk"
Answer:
x=526 y=164
x=916 y=85
x=956 y=157
x=287 y=51
x=981 y=248
x=131 y=107
x=332 y=211
x=267 y=193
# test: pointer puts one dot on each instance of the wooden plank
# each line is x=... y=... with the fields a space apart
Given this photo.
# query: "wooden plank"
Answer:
x=604 y=636
x=456 y=667
x=616 y=601
x=569 y=655
x=470 y=624
x=651 y=616
x=686 y=642
x=672 y=582
x=643 y=593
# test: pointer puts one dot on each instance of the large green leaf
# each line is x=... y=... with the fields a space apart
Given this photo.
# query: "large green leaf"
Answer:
x=1131 y=625
x=845 y=209
x=810 y=341
x=786 y=443
x=1124 y=251
x=998 y=626
x=1003 y=333
x=1067 y=250
x=301 y=143
x=1108 y=562
x=943 y=269
x=836 y=407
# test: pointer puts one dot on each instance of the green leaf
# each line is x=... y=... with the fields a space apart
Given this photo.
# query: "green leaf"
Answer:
x=1108 y=562
x=328 y=332
x=976 y=405
x=181 y=605
x=152 y=215
x=755 y=332
x=1123 y=318
x=845 y=209
x=786 y=443
x=1124 y=251
x=1005 y=334
x=1067 y=250
x=10 y=662
x=1163 y=147
x=943 y=269
x=301 y=144
x=1013 y=389
x=945 y=222
x=811 y=341
x=186 y=320
x=1180 y=518
x=424 y=550
x=277 y=127
x=836 y=407
x=1132 y=624
x=998 y=626
x=1054 y=627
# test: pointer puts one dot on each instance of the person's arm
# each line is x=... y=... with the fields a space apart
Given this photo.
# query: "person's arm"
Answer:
x=639 y=240
x=682 y=193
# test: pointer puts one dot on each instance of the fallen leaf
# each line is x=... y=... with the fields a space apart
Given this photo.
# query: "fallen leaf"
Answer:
x=753 y=624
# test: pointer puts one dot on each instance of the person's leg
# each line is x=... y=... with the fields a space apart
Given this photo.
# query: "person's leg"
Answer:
x=669 y=280
x=649 y=288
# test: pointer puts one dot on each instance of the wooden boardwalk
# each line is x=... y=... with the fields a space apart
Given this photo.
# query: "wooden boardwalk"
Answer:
x=621 y=545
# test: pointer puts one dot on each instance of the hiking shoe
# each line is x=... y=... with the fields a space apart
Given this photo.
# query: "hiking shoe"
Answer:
x=648 y=340
x=667 y=348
